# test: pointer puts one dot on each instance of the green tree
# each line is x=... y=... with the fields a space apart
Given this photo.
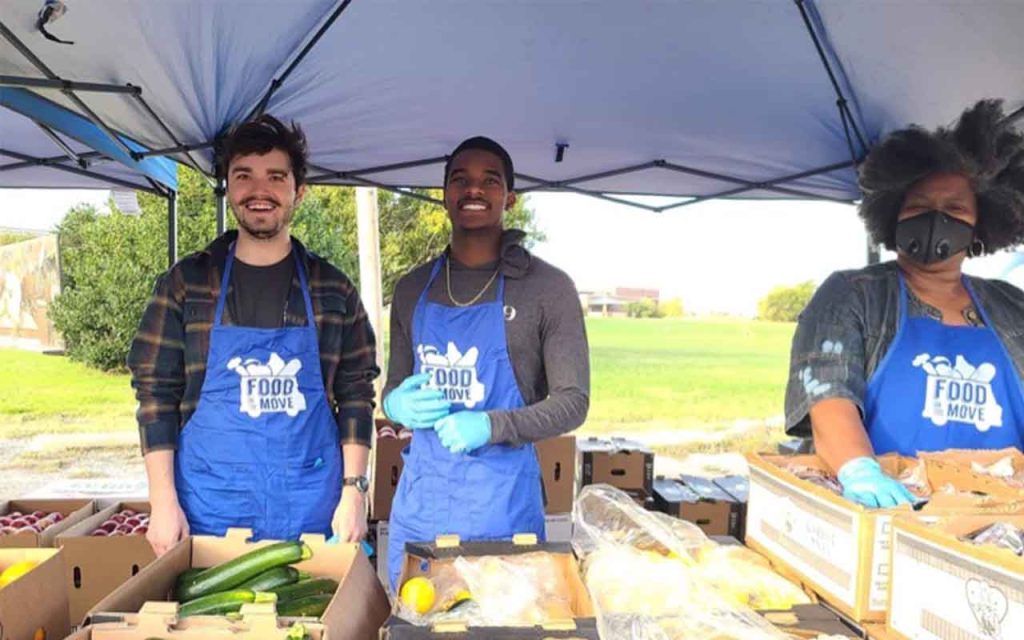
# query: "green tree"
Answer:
x=672 y=308
x=110 y=262
x=645 y=308
x=784 y=303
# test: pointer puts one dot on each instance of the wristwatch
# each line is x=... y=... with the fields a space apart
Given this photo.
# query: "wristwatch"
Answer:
x=361 y=484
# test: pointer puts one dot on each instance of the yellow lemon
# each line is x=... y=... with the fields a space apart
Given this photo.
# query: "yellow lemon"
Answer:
x=418 y=594
x=15 y=571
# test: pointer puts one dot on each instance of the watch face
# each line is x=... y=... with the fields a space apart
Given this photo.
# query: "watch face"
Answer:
x=359 y=482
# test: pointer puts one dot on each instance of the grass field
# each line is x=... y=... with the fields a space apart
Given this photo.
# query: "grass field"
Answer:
x=648 y=375
x=671 y=374
x=51 y=394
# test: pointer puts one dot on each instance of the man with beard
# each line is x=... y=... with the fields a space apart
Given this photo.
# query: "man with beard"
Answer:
x=254 y=367
x=488 y=355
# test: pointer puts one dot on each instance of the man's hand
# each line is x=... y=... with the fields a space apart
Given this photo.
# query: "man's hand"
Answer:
x=349 y=523
x=414 y=405
x=465 y=431
x=167 y=525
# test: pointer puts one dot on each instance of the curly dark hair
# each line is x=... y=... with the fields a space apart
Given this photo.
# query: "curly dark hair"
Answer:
x=262 y=135
x=983 y=146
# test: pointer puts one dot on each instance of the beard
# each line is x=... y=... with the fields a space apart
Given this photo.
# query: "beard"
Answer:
x=265 y=231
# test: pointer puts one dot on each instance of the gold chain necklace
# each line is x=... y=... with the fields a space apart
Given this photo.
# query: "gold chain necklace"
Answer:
x=448 y=282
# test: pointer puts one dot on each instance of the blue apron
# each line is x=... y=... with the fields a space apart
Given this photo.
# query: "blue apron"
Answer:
x=944 y=387
x=491 y=493
x=262 y=449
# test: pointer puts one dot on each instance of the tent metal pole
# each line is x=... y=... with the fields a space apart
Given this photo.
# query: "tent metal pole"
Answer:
x=68 y=151
x=89 y=113
x=220 y=193
x=30 y=161
x=66 y=85
x=545 y=186
x=841 y=101
x=35 y=162
x=172 y=227
x=181 y=148
x=330 y=173
x=749 y=186
x=167 y=131
x=278 y=81
x=610 y=174
x=43 y=69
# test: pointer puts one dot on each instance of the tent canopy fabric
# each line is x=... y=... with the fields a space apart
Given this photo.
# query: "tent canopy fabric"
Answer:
x=685 y=98
x=46 y=146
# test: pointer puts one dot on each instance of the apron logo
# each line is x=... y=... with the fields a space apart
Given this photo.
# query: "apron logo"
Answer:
x=453 y=372
x=989 y=606
x=269 y=388
x=961 y=392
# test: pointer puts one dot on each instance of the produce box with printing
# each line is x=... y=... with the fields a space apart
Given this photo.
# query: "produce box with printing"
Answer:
x=330 y=583
x=32 y=599
x=160 y=620
x=517 y=589
x=959 y=577
x=798 y=519
x=37 y=523
x=623 y=464
x=103 y=551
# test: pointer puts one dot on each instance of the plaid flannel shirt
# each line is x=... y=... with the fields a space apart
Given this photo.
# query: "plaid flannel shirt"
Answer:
x=168 y=355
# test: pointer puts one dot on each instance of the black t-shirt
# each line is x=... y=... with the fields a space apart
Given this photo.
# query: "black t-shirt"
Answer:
x=259 y=295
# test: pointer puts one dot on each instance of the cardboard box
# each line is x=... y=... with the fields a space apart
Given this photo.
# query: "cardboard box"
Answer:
x=680 y=501
x=95 y=565
x=838 y=548
x=557 y=457
x=558 y=527
x=159 y=620
x=37 y=599
x=713 y=494
x=422 y=558
x=74 y=511
x=356 y=612
x=944 y=588
x=957 y=464
x=739 y=488
x=623 y=464
x=810 y=621
x=387 y=468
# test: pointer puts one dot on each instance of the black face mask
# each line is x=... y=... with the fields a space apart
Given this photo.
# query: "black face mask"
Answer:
x=932 y=236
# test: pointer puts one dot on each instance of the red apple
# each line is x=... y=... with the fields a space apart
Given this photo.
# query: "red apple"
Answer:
x=140 y=530
x=127 y=513
x=133 y=522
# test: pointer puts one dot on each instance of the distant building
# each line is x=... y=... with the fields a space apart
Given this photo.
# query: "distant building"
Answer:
x=614 y=303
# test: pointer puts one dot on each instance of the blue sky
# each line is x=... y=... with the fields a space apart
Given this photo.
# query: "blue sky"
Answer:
x=719 y=257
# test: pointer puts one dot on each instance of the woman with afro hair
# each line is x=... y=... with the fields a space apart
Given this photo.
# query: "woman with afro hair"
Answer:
x=913 y=355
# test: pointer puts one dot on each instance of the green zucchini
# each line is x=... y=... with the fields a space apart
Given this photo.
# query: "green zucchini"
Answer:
x=272 y=578
x=310 y=606
x=232 y=573
x=186 y=576
x=223 y=603
x=305 y=588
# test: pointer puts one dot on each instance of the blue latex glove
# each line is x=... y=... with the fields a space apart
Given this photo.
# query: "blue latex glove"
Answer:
x=465 y=431
x=411 y=405
x=864 y=482
x=366 y=546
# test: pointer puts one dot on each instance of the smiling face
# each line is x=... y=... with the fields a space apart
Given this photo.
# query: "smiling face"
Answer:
x=262 y=193
x=475 y=193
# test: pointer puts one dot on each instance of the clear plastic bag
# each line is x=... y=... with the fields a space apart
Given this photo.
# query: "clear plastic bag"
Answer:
x=527 y=589
x=642 y=572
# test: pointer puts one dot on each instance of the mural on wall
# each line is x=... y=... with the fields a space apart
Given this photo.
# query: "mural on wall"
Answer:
x=29 y=282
